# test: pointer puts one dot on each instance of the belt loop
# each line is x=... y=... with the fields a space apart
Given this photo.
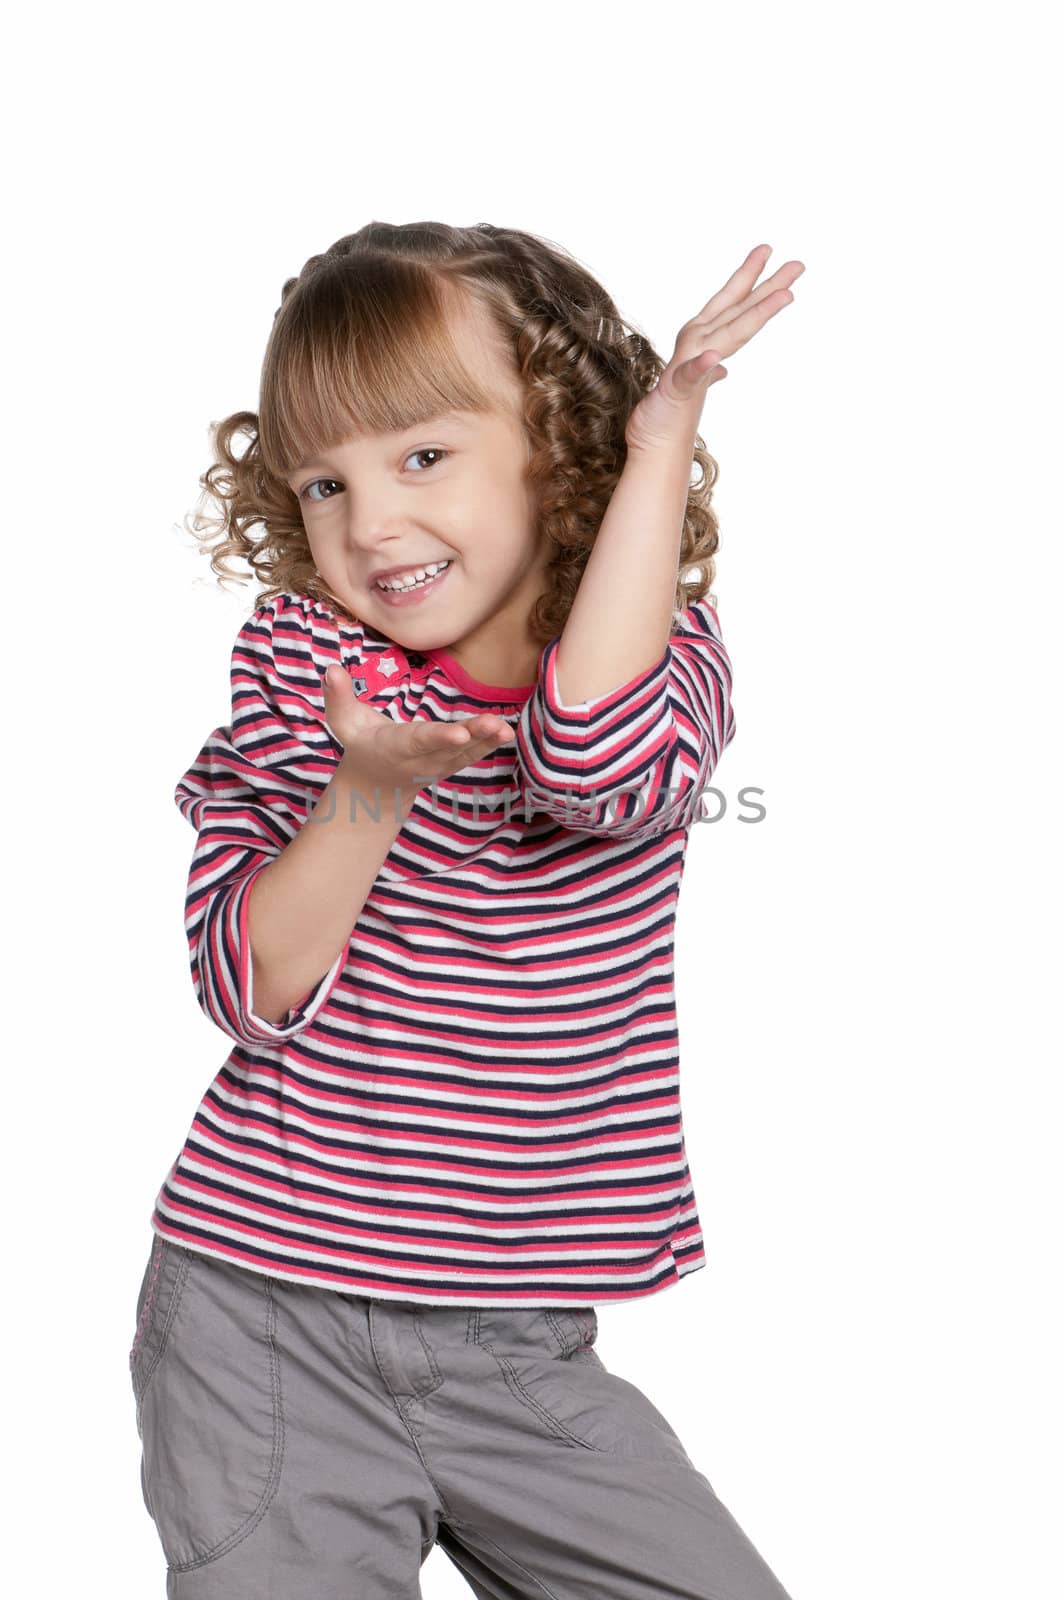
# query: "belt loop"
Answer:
x=586 y=1325
x=571 y=1327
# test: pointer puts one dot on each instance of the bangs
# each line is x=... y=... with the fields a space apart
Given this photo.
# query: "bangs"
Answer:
x=362 y=346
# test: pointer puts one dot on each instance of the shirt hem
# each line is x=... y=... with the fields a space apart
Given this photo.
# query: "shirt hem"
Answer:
x=686 y=1256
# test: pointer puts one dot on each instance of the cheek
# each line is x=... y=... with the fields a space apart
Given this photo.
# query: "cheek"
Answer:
x=326 y=546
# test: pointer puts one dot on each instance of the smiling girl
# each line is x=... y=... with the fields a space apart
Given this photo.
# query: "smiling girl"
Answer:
x=431 y=903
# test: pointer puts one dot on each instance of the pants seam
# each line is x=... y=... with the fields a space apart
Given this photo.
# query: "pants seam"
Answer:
x=156 y=1342
x=437 y=1375
x=478 y=1533
x=148 y=1303
x=557 y=1330
x=406 y=1424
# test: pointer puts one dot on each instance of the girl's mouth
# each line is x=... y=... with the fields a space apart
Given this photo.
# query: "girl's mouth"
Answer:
x=414 y=592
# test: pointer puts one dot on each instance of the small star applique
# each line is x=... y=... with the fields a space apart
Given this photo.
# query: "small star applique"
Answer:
x=375 y=671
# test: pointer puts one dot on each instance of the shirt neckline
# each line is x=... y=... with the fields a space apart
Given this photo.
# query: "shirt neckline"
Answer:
x=508 y=693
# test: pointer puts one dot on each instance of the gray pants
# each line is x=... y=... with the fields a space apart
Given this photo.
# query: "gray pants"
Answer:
x=301 y=1443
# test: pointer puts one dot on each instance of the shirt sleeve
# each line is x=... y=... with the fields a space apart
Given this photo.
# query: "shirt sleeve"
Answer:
x=247 y=794
x=631 y=764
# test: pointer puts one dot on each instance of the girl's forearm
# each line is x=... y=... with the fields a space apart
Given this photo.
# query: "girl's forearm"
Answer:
x=621 y=618
x=303 y=906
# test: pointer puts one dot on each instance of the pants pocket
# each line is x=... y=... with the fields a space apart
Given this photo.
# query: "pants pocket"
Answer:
x=210 y=1412
x=569 y=1394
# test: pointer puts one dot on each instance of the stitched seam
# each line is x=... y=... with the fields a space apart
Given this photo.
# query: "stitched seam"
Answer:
x=478 y=1534
x=514 y=1384
x=557 y=1330
x=405 y=1422
x=164 y=1332
x=436 y=1373
x=276 y=1462
x=148 y=1302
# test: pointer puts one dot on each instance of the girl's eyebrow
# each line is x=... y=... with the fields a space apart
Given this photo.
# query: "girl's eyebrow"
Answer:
x=452 y=417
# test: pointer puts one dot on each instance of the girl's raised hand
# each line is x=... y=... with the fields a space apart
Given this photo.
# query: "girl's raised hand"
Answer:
x=668 y=416
x=383 y=755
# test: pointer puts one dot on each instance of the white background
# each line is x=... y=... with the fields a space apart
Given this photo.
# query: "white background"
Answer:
x=868 y=1369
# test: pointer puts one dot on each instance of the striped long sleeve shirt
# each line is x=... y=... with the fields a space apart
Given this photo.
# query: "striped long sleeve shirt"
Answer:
x=478 y=1103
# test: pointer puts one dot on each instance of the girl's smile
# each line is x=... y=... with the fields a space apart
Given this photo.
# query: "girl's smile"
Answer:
x=412 y=594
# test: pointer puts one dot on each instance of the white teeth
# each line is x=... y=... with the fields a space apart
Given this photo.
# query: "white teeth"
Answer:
x=417 y=575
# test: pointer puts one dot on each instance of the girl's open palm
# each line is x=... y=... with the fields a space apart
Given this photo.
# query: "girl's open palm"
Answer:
x=668 y=416
x=404 y=755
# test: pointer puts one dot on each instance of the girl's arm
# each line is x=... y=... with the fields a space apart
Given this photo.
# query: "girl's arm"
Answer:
x=632 y=709
x=619 y=622
x=622 y=614
x=294 y=816
x=302 y=906
x=247 y=794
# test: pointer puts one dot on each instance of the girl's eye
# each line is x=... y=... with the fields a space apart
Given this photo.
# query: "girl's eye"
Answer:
x=430 y=450
x=306 y=495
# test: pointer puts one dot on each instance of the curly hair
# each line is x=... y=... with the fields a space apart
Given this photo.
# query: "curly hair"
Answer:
x=360 y=343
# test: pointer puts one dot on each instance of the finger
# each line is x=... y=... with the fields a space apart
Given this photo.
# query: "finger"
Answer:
x=778 y=284
x=738 y=294
x=693 y=372
x=486 y=722
x=741 y=327
x=428 y=738
x=731 y=333
x=482 y=743
x=446 y=762
x=704 y=365
x=738 y=284
x=482 y=724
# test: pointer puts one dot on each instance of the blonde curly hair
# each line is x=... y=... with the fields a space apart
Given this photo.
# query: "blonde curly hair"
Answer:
x=360 y=344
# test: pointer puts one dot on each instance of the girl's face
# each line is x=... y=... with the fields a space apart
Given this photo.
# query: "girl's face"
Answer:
x=450 y=490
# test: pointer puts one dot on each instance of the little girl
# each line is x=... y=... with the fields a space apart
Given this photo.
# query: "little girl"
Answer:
x=431 y=903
